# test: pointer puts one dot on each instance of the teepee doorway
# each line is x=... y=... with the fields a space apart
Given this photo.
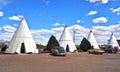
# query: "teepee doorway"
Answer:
x=22 y=49
x=67 y=48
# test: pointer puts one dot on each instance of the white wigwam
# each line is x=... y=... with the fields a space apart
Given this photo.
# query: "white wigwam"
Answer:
x=92 y=40
x=66 y=41
x=22 y=41
x=112 y=41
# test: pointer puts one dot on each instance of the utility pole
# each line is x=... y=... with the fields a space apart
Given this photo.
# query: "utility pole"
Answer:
x=74 y=36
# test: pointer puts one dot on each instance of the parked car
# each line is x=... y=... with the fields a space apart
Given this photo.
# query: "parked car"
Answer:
x=111 y=49
x=96 y=51
x=58 y=51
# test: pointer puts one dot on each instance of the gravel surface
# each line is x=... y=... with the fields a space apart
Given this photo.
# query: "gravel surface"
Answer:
x=72 y=62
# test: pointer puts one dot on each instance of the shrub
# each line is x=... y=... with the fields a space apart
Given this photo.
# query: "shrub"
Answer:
x=52 y=43
x=85 y=45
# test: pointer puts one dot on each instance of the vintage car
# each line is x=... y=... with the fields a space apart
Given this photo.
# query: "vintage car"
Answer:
x=58 y=51
x=96 y=51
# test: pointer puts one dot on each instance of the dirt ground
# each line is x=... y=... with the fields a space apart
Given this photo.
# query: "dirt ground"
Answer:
x=72 y=62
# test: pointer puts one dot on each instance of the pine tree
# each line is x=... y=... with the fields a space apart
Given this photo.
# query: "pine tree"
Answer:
x=52 y=43
x=85 y=45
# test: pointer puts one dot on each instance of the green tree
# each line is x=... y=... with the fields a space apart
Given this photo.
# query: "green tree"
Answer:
x=85 y=45
x=3 y=45
x=52 y=43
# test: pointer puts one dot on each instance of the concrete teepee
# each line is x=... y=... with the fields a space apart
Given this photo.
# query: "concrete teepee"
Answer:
x=92 y=40
x=66 y=41
x=22 y=41
x=112 y=41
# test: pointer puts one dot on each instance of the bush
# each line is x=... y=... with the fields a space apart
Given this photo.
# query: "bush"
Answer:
x=85 y=45
x=52 y=43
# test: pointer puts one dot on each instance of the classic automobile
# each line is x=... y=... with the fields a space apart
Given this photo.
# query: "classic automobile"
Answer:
x=58 y=51
x=96 y=51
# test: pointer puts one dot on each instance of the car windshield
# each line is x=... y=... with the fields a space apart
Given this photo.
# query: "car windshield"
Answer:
x=60 y=49
x=109 y=47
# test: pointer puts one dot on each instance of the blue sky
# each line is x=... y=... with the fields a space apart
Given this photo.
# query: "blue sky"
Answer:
x=48 y=17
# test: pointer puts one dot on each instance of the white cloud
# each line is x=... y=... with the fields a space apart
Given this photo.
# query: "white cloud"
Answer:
x=56 y=24
x=80 y=30
x=114 y=27
x=105 y=1
x=9 y=28
x=118 y=13
x=101 y=28
x=57 y=29
x=42 y=31
x=0 y=28
x=42 y=36
x=78 y=21
x=78 y=27
x=100 y=20
x=1 y=13
x=6 y=36
x=15 y=24
x=46 y=2
x=16 y=18
x=101 y=1
x=92 y=13
x=111 y=8
x=93 y=1
x=41 y=39
x=102 y=33
x=116 y=10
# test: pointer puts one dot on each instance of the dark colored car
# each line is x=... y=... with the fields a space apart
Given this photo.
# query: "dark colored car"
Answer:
x=111 y=49
x=58 y=51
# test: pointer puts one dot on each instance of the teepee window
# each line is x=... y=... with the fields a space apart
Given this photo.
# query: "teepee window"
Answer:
x=22 y=50
x=67 y=48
